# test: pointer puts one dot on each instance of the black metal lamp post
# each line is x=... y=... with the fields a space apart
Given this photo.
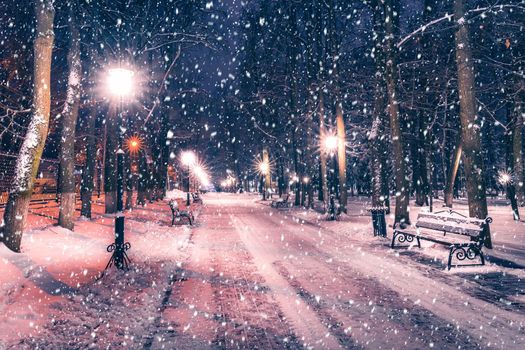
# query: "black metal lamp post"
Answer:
x=119 y=83
x=264 y=169
x=188 y=203
x=331 y=207
x=188 y=159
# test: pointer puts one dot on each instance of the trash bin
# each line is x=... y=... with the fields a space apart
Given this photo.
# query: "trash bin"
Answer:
x=378 y=220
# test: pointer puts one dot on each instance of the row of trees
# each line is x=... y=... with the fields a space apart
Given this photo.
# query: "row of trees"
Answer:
x=414 y=91
x=75 y=42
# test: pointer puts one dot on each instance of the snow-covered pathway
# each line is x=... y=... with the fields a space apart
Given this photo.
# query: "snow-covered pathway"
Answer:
x=260 y=276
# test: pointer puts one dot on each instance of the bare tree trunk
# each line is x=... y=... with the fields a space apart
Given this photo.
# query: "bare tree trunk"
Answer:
x=29 y=157
x=470 y=128
x=86 y=190
x=376 y=134
x=324 y=177
x=267 y=179
x=128 y=173
x=452 y=173
x=517 y=150
x=339 y=118
x=142 y=186
x=341 y=155
x=402 y=188
x=67 y=140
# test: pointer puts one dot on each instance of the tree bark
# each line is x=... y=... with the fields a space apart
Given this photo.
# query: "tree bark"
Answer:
x=322 y=130
x=470 y=128
x=453 y=172
x=87 y=186
x=142 y=185
x=31 y=151
x=339 y=117
x=402 y=189
x=376 y=136
x=517 y=150
x=267 y=179
x=67 y=140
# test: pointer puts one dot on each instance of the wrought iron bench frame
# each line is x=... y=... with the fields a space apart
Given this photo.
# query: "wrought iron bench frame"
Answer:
x=196 y=197
x=281 y=202
x=462 y=251
x=177 y=213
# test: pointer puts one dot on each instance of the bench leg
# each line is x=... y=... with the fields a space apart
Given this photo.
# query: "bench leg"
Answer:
x=172 y=219
x=393 y=239
x=482 y=257
x=449 y=265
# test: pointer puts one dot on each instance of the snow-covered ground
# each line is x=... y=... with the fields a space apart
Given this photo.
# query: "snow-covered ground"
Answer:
x=250 y=276
x=50 y=296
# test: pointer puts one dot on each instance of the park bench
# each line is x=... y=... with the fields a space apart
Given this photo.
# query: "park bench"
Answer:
x=177 y=214
x=463 y=235
x=196 y=198
x=281 y=202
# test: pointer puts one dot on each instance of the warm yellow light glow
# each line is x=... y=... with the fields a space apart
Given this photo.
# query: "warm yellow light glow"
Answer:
x=201 y=175
x=264 y=167
x=330 y=143
x=306 y=179
x=504 y=178
x=120 y=82
x=134 y=144
x=188 y=158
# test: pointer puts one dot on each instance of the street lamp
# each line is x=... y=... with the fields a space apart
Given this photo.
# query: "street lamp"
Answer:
x=119 y=83
x=264 y=168
x=330 y=146
x=506 y=179
x=188 y=158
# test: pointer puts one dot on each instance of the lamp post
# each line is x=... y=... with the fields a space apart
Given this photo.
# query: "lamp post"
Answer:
x=506 y=180
x=306 y=188
x=330 y=146
x=120 y=85
x=188 y=159
x=264 y=168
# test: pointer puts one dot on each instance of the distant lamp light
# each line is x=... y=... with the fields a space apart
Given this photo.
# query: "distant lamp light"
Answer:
x=504 y=178
x=264 y=168
x=134 y=144
x=330 y=143
x=306 y=179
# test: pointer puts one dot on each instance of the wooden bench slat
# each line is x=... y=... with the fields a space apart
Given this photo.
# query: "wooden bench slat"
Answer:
x=439 y=226
x=452 y=219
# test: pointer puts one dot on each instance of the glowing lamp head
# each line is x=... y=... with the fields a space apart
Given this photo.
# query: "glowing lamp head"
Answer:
x=306 y=179
x=264 y=167
x=330 y=143
x=133 y=144
x=120 y=82
x=188 y=158
x=504 y=178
